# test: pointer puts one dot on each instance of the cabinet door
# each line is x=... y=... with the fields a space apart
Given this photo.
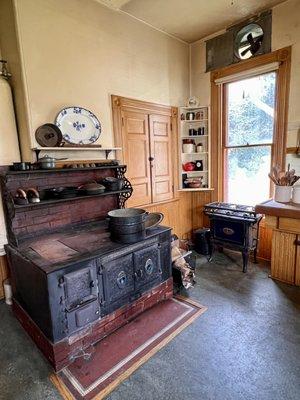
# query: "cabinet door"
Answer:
x=283 y=256
x=161 y=152
x=297 y=272
x=136 y=149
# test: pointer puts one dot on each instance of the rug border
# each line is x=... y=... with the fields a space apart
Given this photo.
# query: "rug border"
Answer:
x=67 y=395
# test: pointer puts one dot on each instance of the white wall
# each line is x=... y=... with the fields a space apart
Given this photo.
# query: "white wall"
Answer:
x=78 y=52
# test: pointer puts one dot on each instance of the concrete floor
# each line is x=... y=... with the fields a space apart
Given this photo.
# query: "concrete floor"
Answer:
x=246 y=346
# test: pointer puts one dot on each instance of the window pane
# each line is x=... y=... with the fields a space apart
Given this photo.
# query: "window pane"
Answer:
x=247 y=174
x=251 y=110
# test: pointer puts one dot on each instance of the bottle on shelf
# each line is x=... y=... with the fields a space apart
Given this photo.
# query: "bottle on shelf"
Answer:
x=199 y=148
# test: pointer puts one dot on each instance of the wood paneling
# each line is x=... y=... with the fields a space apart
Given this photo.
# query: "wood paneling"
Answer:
x=136 y=148
x=161 y=151
x=3 y=274
x=265 y=242
x=199 y=199
x=283 y=256
x=171 y=213
x=297 y=268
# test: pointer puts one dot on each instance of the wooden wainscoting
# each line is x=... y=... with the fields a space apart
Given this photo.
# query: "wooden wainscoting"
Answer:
x=185 y=213
x=265 y=242
x=3 y=274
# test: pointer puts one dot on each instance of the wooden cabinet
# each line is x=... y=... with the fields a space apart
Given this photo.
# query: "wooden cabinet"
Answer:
x=285 y=258
x=144 y=132
x=136 y=150
x=297 y=266
x=160 y=152
x=3 y=274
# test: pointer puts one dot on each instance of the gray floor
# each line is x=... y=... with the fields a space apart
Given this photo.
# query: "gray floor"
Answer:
x=246 y=346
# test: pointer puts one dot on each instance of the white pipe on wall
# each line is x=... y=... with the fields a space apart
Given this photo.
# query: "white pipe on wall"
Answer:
x=9 y=144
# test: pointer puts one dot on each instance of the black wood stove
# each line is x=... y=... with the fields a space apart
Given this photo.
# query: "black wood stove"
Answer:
x=72 y=284
x=235 y=227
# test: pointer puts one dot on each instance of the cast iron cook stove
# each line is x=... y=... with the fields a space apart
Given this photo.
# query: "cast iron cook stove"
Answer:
x=234 y=226
x=72 y=284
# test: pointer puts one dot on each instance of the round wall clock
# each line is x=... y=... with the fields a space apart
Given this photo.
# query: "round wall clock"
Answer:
x=248 y=41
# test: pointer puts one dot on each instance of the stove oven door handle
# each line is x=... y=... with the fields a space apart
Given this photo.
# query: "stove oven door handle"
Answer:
x=138 y=274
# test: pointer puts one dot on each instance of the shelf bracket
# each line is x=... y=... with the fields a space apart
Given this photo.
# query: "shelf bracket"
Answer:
x=107 y=153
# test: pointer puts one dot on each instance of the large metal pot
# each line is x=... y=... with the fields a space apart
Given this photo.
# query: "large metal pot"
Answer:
x=129 y=224
x=125 y=216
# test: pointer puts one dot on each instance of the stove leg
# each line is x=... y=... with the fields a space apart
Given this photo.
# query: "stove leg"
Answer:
x=245 y=260
x=255 y=255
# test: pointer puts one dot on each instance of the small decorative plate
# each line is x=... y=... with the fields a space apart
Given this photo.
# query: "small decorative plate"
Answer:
x=78 y=125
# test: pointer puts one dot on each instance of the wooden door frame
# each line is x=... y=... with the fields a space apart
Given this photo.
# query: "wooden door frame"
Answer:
x=283 y=56
x=120 y=103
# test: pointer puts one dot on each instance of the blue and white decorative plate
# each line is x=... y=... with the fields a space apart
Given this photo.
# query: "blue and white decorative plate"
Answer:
x=78 y=125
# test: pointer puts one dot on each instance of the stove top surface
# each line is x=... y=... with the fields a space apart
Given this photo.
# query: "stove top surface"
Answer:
x=52 y=251
x=231 y=207
x=233 y=211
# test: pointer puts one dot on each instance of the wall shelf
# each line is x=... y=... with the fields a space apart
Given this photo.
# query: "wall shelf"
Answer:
x=194 y=172
x=76 y=148
x=204 y=113
x=107 y=150
x=191 y=121
x=49 y=171
x=195 y=190
x=193 y=137
x=80 y=197
x=202 y=152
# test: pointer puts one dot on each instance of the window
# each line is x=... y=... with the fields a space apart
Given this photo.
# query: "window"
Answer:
x=248 y=132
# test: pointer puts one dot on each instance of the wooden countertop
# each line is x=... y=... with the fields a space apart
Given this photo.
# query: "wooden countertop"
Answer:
x=271 y=207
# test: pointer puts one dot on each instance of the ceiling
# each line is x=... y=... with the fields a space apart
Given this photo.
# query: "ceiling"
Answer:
x=190 y=20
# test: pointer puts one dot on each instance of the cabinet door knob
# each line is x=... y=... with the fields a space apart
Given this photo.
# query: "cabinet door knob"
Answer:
x=297 y=242
x=151 y=159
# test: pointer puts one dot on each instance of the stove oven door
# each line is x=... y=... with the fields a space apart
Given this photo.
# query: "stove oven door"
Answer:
x=81 y=297
x=118 y=283
x=147 y=268
x=229 y=230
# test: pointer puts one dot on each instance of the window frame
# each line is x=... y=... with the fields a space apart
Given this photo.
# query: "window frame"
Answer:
x=224 y=139
x=283 y=57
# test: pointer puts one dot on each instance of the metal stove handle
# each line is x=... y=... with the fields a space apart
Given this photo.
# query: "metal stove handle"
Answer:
x=138 y=274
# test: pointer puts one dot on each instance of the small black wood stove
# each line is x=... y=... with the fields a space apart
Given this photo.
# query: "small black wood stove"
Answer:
x=235 y=227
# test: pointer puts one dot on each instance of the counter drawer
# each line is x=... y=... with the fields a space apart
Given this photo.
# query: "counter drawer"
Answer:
x=289 y=224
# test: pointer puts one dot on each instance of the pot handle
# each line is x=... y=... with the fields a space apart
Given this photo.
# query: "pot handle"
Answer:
x=161 y=217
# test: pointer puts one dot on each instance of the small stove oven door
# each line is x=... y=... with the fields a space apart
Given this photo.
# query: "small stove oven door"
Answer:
x=147 y=267
x=81 y=297
x=80 y=287
x=229 y=230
